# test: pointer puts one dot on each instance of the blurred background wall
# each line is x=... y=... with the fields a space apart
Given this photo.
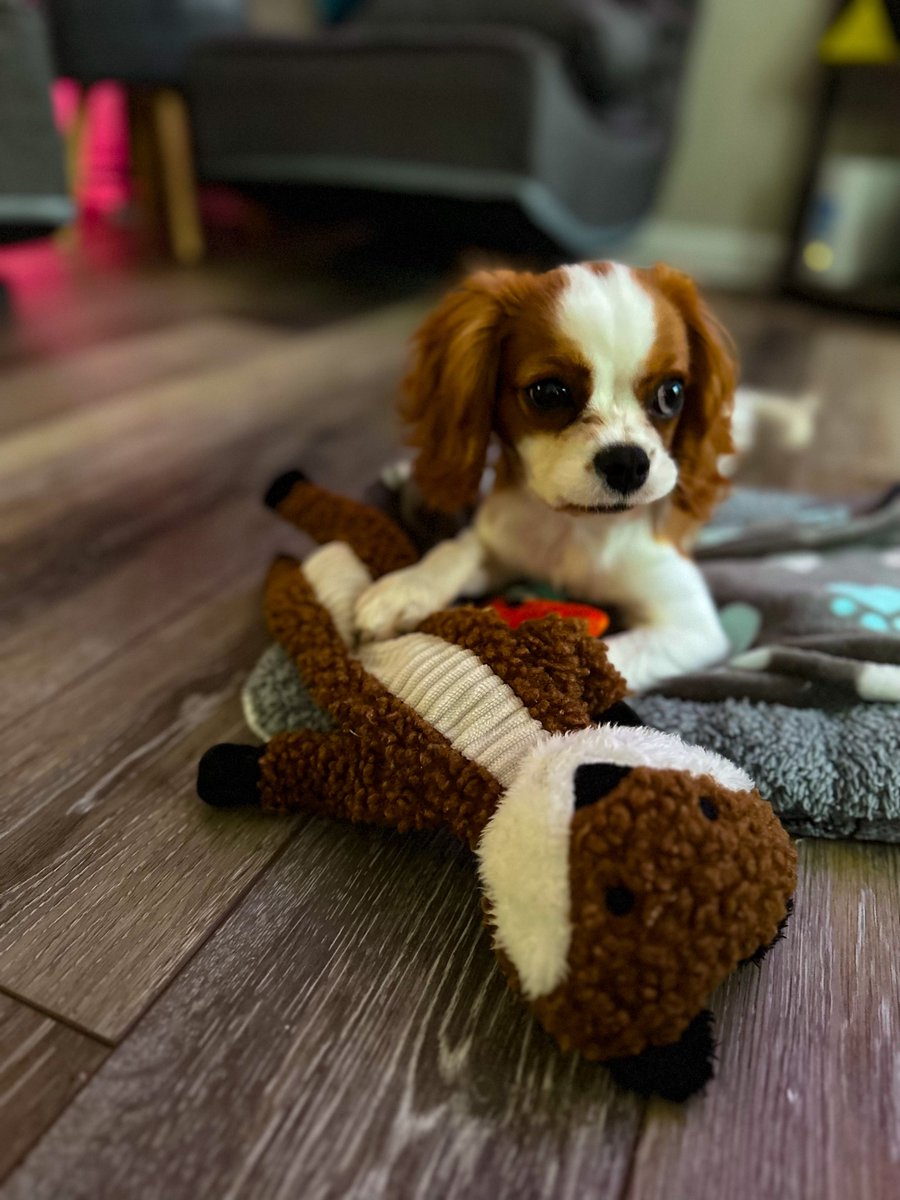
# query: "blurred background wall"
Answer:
x=282 y=16
x=730 y=192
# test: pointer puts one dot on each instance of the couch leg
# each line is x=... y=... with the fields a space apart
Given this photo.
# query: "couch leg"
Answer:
x=145 y=168
x=75 y=143
x=178 y=183
x=75 y=140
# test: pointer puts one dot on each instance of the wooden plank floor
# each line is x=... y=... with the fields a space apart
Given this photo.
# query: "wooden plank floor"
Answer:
x=209 y=1004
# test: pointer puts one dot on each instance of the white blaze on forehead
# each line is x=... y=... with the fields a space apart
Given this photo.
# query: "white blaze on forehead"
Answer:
x=611 y=318
x=523 y=853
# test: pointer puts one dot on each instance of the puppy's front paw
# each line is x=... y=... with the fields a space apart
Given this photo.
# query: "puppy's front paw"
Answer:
x=633 y=654
x=393 y=605
x=648 y=657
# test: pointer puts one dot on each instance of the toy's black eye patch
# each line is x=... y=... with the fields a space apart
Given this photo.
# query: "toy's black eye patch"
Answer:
x=593 y=781
x=708 y=809
x=619 y=901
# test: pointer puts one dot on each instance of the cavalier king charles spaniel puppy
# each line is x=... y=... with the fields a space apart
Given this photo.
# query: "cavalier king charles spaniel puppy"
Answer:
x=609 y=391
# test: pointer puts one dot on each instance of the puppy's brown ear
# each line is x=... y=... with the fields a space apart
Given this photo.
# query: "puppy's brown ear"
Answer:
x=451 y=390
x=703 y=434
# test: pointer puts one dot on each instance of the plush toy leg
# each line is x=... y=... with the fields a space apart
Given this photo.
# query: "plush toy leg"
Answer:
x=302 y=770
x=674 y=1072
x=315 y=772
x=228 y=775
x=604 y=687
x=382 y=545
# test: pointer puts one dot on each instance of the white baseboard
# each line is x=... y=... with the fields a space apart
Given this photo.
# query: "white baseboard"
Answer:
x=717 y=256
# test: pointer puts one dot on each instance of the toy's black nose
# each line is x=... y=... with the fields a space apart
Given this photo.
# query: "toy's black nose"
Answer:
x=624 y=468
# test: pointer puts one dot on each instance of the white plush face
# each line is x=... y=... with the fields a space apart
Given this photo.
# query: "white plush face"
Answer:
x=612 y=354
x=524 y=850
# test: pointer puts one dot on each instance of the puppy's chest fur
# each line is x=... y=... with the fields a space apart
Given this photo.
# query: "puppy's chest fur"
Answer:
x=584 y=556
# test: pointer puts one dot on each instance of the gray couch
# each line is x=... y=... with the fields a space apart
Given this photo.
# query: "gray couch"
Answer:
x=563 y=106
x=143 y=42
x=33 y=197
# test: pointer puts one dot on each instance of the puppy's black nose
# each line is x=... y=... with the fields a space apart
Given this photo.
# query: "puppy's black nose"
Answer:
x=623 y=468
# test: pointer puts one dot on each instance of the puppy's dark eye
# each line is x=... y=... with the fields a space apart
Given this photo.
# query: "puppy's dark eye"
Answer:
x=548 y=395
x=708 y=808
x=668 y=399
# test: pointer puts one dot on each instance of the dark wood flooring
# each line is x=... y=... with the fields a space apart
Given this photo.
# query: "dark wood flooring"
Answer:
x=205 y=1004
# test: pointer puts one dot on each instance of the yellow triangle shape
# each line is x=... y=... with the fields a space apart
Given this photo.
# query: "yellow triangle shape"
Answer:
x=861 y=34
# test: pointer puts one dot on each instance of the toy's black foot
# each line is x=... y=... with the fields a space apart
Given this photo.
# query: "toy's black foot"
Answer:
x=281 y=488
x=673 y=1072
x=228 y=775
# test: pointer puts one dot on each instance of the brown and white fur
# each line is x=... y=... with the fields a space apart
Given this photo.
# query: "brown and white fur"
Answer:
x=608 y=338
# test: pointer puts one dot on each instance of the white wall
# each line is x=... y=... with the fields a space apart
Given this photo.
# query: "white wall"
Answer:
x=282 y=16
x=747 y=109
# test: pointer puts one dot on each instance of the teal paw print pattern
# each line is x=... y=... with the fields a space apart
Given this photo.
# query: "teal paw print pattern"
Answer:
x=874 y=607
x=742 y=623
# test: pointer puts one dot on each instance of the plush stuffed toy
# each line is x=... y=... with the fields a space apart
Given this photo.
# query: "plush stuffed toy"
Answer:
x=625 y=874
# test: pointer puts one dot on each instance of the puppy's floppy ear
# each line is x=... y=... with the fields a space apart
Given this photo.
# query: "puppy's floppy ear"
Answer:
x=451 y=390
x=703 y=433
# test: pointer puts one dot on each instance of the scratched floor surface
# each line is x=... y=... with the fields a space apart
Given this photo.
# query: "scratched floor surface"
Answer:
x=204 y=1004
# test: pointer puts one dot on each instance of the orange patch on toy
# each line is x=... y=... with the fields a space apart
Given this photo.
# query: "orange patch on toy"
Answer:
x=515 y=613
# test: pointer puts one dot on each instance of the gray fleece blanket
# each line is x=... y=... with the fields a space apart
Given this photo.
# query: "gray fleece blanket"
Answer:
x=809 y=594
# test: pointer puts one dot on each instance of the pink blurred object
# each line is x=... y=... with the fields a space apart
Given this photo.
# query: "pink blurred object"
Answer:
x=104 y=185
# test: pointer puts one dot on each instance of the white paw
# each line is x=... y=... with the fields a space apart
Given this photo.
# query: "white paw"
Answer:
x=633 y=655
x=647 y=657
x=394 y=604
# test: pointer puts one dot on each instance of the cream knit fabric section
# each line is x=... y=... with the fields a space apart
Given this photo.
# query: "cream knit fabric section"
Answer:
x=338 y=579
x=459 y=695
x=448 y=686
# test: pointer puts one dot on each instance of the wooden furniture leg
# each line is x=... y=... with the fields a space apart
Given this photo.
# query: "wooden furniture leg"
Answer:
x=178 y=183
x=74 y=146
x=144 y=162
x=75 y=143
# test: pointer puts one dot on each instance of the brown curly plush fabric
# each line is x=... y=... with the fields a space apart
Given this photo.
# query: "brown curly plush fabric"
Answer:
x=554 y=667
x=707 y=893
x=379 y=542
x=391 y=768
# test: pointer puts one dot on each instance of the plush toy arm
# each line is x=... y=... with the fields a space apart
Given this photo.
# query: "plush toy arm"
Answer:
x=312 y=772
x=300 y=771
x=603 y=686
x=377 y=540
